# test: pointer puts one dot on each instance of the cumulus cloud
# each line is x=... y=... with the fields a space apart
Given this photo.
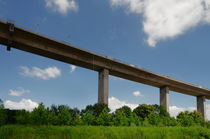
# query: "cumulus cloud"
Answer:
x=62 y=6
x=164 y=19
x=45 y=74
x=26 y=104
x=72 y=68
x=137 y=93
x=115 y=103
x=18 y=92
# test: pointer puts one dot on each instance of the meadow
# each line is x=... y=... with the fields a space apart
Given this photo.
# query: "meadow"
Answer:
x=102 y=132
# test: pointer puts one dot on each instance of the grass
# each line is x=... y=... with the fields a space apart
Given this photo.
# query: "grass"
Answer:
x=101 y=132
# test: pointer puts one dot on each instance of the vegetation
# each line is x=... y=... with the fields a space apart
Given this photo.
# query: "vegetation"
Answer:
x=145 y=121
x=99 y=115
x=102 y=132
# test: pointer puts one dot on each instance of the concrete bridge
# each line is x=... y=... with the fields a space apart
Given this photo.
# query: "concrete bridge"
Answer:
x=16 y=37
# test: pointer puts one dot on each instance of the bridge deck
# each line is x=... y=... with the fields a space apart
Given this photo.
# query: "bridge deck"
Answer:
x=31 y=42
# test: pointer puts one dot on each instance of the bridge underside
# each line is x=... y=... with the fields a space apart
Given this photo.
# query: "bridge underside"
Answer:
x=21 y=39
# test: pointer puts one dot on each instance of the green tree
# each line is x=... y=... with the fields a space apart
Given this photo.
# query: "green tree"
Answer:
x=154 y=119
x=126 y=110
x=87 y=118
x=161 y=110
x=197 y=118
x=39 y=115
x=52 y=118
x=105 y=118
x=23 y=117
x=77 y=120
x=120 y=119
x=134 y=120
x=185 y=119
x=3 y=116
x=64 y=117
x=144 y=110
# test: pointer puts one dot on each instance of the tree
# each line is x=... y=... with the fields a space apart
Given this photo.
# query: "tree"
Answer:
x=120 y=119
x=197 y=117
x=39 y=115
x=161 y=110
x=126 y=110
x=87 y=118
x=1 y=104
x=154 y=119
x=185 y=119
x=52 y=118
x=77 y=120
x=3 y=116
x=64 y=117
x=104 y=118
x=144 y=110
x=23 y=117
x=134 y=120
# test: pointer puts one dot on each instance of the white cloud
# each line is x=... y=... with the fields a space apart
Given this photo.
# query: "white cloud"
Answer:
x=62 y=6
x=115 y=103
x=164 y=19
x=137 y=93
x=19 y=92
x=73 y=68
x=45 y=74
x=26 y=104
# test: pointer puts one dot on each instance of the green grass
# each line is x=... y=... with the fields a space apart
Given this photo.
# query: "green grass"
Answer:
x=101 y=132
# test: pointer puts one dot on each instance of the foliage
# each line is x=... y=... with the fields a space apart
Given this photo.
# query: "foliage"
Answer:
x=144 y=110
x=105 y=118
x=190 y=118
x=39 y=115
x=120 y=119
x=1 y=104
x=89 y=132
x=88 y=118
x=3 y=117
x=99 y=114
x=127 y=110
x=154 y=119
x=22 y=117
x=64 y=117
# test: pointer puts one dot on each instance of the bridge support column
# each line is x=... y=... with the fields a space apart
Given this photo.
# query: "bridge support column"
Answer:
x=201 y=105
x=103 y=86
x=164 y=97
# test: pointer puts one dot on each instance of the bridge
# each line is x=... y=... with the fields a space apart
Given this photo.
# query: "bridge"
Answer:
x=16 y=37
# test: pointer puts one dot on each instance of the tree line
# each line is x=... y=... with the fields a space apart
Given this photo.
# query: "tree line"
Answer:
x=100 y=115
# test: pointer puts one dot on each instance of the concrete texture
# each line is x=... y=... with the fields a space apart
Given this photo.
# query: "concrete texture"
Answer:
x=103 y=86
x=201 y=105
x=164 y=97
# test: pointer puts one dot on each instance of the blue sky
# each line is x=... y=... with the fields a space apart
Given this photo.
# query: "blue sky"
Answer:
x=169 y=38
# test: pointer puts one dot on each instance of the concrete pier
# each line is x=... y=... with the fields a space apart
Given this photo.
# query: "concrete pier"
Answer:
x=164 y=97
x=201 y=105
x=103 y=86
